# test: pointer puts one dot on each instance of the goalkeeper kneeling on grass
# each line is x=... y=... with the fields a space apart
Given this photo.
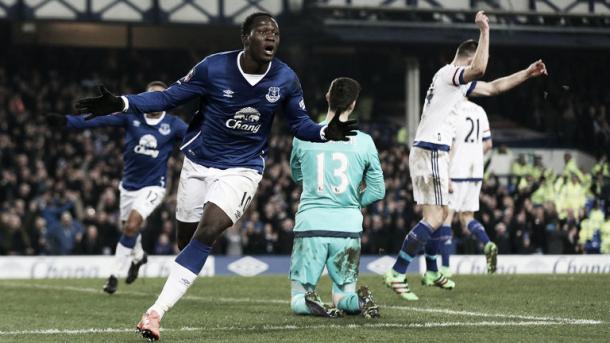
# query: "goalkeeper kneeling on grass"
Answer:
x=329 y=219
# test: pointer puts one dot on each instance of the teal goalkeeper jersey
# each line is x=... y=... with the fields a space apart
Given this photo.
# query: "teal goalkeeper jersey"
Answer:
x=331 y=175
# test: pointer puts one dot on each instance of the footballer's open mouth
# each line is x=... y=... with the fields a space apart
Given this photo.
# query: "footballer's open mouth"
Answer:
x=269 y=49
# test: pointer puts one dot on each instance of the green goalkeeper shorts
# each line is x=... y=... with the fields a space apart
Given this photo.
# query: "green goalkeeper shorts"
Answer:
x=310 y=255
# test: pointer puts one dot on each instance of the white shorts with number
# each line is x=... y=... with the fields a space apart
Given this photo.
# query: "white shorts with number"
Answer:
x=430 y=176
x=465 y=196
x=230 y=189
x=143 y=200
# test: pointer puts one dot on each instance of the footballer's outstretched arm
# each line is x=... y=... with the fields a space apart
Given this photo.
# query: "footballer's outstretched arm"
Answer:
x=373 y=177
x=506 y=83
x=183 y=90
x=79 y=122
x=479 y=62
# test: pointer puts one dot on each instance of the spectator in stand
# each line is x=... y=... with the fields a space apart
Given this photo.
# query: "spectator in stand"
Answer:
x=164 y=245
x=65 y=235
x=90 y=243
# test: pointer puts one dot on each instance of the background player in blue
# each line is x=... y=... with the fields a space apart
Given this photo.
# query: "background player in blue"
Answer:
x=225 y=145
x=149 y=142
x=329 y=221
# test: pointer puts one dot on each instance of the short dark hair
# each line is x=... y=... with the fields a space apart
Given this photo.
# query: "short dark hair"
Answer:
x=246 y=26
x=156 y=83
x=343 y=91
x=467 y=48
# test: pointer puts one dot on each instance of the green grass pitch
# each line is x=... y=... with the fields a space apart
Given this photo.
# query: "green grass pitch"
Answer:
x=498 y=308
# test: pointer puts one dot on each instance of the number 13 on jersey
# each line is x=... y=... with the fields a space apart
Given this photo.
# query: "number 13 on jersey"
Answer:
x=338 y=172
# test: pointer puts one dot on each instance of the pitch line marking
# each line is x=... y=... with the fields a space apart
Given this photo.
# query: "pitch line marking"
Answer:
x=290 y=327
x=278 y=301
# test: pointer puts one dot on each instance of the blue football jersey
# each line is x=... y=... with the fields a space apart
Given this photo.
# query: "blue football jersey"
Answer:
x=147 y=147
x=233 y=123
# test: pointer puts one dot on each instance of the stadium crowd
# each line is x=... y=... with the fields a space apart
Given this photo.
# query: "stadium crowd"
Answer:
x=59 y=189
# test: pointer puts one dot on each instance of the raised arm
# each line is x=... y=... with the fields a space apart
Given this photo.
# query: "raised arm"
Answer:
x=183 y=90
x=373 y=177
x=506 y=83
x=479 y=62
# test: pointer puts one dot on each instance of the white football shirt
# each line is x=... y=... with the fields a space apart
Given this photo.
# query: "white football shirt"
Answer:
x=437 y=124
x=472 y=129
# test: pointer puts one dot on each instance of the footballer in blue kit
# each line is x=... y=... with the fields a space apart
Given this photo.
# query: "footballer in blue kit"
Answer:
x=149 y=142
x=225 y=145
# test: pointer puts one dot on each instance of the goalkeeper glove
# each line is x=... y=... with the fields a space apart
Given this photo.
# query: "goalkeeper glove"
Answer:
x=338 y=130
x=107 y=103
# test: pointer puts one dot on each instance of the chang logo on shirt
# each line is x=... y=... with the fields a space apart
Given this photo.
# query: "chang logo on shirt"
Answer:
x=246 y=119
x=147 y=146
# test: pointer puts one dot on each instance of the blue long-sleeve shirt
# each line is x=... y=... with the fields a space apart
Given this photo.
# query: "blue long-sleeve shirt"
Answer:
x=147 y=146
x=232 y=126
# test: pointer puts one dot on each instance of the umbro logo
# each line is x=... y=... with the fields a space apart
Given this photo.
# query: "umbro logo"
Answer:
x=248 y=266
x=381 y=265
x=228 y=93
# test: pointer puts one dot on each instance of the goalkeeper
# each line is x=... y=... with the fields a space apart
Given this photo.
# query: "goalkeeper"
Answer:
x=329 y=221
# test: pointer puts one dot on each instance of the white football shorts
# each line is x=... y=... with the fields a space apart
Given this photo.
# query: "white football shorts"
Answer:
x=143 y=200
x=430 y=176
x=465 y=196
x=230 y=189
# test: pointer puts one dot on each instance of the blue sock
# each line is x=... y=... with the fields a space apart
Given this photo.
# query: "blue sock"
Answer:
x=417 y=237
x=193 y=256
x=431 y=265
x=478 y=230
x=444 y=244
x=430 y=252
x=128 y=241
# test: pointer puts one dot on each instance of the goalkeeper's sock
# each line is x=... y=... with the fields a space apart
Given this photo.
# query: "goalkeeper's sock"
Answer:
x=350 y=303
x=122 y=253
x=184 y=271
x=477 y=229
x=298 y=305
x=417 y=237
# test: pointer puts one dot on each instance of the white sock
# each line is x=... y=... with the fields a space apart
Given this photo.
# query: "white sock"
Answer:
x=122 y=257
x=138 y=251
x=178 y=281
